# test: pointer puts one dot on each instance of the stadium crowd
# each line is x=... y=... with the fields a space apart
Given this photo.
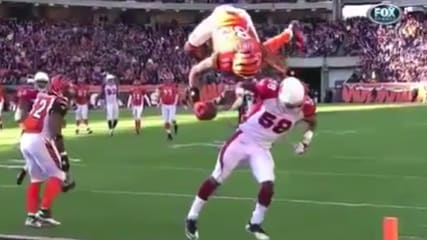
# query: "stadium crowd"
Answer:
x=131 y=52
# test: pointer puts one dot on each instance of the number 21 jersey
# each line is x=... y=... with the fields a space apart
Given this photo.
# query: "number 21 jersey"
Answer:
x=268 y=122
x=38 y=118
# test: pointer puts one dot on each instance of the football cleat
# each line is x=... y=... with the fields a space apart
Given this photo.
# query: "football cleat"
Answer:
x=191 y=231
x=45 y=216
x=21 y=176
x=33 y=222
x=111 y=132
x=257 y=231
x=89 y=131
x=77 y=131
x=170 y=138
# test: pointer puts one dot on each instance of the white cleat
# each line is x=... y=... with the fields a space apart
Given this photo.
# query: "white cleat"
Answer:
x=257 y=231
x=33 y=222
x=45 y=216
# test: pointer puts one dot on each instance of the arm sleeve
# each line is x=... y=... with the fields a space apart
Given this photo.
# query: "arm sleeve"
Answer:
x=275 y=43
x=309 y=109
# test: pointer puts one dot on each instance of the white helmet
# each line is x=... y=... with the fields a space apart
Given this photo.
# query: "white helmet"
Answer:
x=109 y=78
x=41 y=80
x=291 y=93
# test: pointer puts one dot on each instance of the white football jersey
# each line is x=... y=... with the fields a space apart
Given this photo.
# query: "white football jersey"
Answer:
x=111 y=92
x=266 y=125
x=267 y=121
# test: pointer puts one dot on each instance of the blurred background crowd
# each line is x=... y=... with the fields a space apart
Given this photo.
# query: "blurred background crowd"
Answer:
x=393 y=53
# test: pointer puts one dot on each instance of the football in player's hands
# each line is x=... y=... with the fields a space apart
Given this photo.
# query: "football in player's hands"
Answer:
x=205 y=110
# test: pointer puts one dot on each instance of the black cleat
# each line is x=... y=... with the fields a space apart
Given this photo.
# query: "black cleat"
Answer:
x=68 y=184
x=21 y=176
x=77 y=131
x=170 y=138
x=257 y=231
x=191 y=231
x=175 y=128
x=89 y=131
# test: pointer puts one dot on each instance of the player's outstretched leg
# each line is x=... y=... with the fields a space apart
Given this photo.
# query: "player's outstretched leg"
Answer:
x=205 y=191
x=137 y=126
x=86 y=123
x=265 y=196
x=168 y=131
x=52 y=190
x=175 y=127
x=110 y=127
x=77 y=126
x=32 y=202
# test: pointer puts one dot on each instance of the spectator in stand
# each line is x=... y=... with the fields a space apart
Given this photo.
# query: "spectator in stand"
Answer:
x=396 y=53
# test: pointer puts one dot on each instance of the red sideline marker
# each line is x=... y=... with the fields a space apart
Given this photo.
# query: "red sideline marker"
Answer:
x=390 y=228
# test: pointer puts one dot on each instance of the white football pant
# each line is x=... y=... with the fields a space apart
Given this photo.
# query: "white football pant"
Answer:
x=239 y=150
x=82 y=112
x=112 y=110
x=204 y=30
x=41 y=157
x=168 y=113
x=137 y=112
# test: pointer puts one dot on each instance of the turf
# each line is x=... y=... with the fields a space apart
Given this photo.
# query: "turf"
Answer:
x=363 y=165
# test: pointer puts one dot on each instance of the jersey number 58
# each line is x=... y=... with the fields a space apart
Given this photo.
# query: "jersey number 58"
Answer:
x=268 y=120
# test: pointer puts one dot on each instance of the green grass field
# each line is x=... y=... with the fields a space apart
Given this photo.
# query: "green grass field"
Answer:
x=364 y=164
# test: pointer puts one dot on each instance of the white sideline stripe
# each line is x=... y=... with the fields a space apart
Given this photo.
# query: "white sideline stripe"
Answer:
x=411 y=238
x=297 y=201
x=20 y=237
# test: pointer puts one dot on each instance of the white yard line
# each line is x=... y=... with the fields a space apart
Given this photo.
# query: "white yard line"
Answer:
x=287 y=200
x=23 y=237
x=78 y=163
x=241 y=198
x=308 y=173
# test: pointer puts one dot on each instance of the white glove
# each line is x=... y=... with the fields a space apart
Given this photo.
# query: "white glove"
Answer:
x=300 y=148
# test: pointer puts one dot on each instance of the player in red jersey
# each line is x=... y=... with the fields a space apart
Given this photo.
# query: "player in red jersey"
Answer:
x=82 y=106
x=236 y=46
x=136 y=104
x=168 y=101
x=1 y=106
x=25 y=95
x=283 y=106
x=43 y=149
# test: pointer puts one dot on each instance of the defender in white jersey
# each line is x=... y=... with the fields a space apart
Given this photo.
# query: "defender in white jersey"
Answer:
x=110 y=93
x=281 y=107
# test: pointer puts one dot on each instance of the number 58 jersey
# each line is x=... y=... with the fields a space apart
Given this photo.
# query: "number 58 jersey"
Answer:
x=268 y=120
